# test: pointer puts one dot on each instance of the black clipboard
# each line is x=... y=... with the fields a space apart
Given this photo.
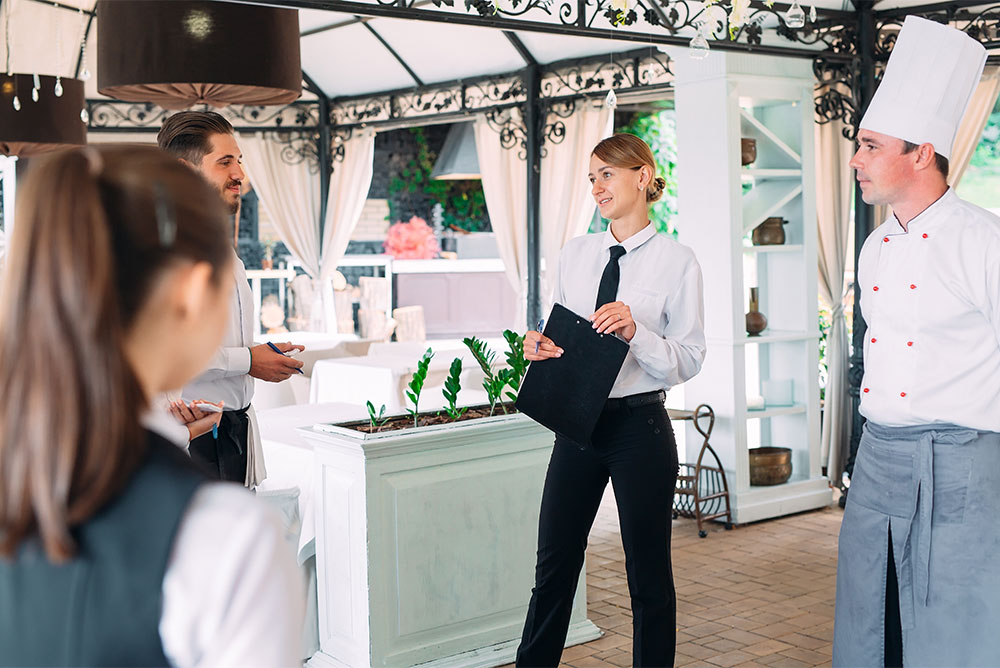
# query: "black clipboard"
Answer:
x=566 y=394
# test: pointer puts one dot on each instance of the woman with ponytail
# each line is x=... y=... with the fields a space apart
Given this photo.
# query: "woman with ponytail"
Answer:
x=648 y=291
x=114 y=548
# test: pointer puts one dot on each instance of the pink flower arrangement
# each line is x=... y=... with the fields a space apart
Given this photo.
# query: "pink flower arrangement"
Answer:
x=413 y=240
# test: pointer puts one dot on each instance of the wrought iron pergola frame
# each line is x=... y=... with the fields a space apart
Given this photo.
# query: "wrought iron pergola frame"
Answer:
x=848 y=50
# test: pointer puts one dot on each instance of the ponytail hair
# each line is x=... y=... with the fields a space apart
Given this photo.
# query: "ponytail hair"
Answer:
x=95 y=229
x=629 y=152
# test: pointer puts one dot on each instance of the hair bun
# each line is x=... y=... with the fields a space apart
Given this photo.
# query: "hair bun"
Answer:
x=655 y=189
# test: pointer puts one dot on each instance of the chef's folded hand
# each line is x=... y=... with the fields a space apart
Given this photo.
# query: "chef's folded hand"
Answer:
x=538 y=347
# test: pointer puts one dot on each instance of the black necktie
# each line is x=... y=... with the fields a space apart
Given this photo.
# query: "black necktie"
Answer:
x=607 y=292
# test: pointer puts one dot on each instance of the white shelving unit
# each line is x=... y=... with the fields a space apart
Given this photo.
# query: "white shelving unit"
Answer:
x=720 y=100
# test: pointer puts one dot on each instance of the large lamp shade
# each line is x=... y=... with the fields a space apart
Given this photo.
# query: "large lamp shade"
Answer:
x=177 y=53
x=458 y=159
x=53 y=121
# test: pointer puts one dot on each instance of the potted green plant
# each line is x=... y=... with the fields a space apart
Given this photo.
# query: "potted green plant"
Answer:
x=426 y=526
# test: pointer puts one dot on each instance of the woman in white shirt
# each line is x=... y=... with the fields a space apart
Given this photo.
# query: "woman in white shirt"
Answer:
x=114 y=548
x=648 y=291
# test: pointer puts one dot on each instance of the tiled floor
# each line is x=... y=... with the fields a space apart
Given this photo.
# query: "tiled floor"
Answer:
x=759 y=595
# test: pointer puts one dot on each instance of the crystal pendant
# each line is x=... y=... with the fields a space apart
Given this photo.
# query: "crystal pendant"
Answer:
x=812 y=14
x=85 y=74
x=611 y=101
x=84 y=116
x=699 y=47
x=17 y=104
x=34 y=95
x=58 y=90
x=35 y=81
x=795 y=18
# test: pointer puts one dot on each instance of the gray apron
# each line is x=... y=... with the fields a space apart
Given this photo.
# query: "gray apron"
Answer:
x=938 y=487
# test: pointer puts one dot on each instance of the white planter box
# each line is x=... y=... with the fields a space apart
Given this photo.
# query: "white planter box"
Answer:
x=425 y=543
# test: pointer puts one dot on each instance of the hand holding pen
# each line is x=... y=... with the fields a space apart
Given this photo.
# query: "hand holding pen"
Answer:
x=199 y=416
x=273 y=362
x=539 y=347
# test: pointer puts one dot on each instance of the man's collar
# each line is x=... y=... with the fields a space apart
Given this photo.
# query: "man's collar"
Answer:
x=926 y=214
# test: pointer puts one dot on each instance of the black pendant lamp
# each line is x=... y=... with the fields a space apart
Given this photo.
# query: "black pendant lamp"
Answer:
x=177 y=53
x=39 y=113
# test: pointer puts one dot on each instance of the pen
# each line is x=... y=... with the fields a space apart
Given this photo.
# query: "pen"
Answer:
x=275 y=349
x=538 y=328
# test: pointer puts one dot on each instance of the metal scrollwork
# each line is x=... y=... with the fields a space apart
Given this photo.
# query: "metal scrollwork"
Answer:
x=107 y=115
x=297 y=114
x=623 y=71
x=339 y=137
x=836 y=94
x=298 y=146
x=553 y=127
x=511 y=130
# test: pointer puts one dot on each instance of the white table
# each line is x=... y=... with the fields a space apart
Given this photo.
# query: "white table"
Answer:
x=289 y=457
x=291 y=472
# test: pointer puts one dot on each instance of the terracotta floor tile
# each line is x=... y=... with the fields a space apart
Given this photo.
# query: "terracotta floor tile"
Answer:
x=760 y=595
x=767 y=647
x=722 y=645
x=806 y=655
x=741 y=636
x=729 y=659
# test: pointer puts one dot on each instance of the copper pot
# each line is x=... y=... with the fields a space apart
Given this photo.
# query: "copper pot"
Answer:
x=756 y=322
x=748 y=151
x=769 y=233
x=770 y=466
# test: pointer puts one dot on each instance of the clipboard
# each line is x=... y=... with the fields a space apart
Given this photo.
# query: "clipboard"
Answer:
x=566 y=394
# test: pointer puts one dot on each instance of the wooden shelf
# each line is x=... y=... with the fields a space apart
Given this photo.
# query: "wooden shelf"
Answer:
x=767 y=198
x=780 y=336
x=766 y=132
x=764 y=173
x=783 y=248
x=775 y=411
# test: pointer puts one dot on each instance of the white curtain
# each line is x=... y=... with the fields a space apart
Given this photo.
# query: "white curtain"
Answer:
x=505 y=186
x=349 y=186
x=971 y=129
x=290 y=192
x=567 y=207
x=834 y=185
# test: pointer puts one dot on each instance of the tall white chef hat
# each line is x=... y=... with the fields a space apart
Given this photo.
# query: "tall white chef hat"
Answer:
x=927 y=85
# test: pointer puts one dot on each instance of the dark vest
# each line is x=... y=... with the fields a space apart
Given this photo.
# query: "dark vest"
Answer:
x=103 y=607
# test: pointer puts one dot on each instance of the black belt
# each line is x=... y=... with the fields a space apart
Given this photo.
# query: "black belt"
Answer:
x=636 y=400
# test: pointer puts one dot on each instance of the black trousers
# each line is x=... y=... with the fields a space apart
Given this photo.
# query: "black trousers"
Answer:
x=226 y=457
x=893 y=622
x=635 y=448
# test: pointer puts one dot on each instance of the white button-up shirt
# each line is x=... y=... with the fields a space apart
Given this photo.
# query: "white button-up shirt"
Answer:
x=661 y=284
x=227 y=376
x=931 y=297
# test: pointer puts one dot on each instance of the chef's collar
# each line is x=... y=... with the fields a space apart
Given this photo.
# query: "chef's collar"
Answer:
x=633 y=242
x=924 y=216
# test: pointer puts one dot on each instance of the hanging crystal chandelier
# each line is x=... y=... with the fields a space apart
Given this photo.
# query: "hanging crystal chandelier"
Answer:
x=38 y=112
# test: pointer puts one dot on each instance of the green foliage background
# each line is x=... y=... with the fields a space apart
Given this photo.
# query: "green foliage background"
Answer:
x=463 y=203
x=981 y=182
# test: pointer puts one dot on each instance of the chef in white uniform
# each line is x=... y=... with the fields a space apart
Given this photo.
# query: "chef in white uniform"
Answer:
x=918 y=577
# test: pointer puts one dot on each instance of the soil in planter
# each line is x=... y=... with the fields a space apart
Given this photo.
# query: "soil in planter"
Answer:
x=426 y=419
